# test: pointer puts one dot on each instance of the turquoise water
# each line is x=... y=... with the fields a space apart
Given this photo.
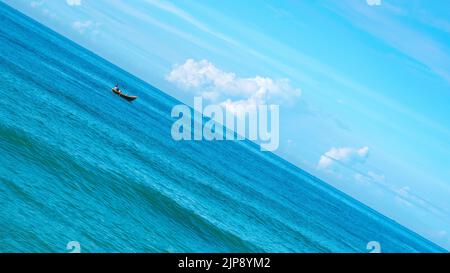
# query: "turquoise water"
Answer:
x=77 y=163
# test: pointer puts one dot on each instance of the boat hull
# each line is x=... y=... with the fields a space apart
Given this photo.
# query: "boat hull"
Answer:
x=124 y=96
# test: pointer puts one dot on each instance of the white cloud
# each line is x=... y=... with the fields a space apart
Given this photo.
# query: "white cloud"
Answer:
x=379 y=178
x=373 y=2
x=404 y=193
x=82 y=26
x=343 y=155
x=35 y=4
x=205 y=79
x=406 y=196
x=403 y=201
x=89 y=27
x=41 y=5
x=369 y=179
x=73 y=2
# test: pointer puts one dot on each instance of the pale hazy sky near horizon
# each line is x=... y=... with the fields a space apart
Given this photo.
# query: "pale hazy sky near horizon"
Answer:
x=365 y=82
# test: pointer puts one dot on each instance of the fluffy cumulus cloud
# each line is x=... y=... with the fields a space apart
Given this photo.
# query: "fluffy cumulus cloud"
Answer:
x=373 y=2
x=73 y=2
x=206 y=80
x=344 y=155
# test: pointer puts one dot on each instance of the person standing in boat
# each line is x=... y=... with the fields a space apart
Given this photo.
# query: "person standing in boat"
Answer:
x=117 y=87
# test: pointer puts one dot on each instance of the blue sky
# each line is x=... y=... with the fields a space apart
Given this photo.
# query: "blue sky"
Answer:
x=363 y=85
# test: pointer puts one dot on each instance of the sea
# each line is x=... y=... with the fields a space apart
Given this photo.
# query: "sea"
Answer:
x=79 y=165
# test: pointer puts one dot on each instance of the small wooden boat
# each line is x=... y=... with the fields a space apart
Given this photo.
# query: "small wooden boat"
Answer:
x=125 y=96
